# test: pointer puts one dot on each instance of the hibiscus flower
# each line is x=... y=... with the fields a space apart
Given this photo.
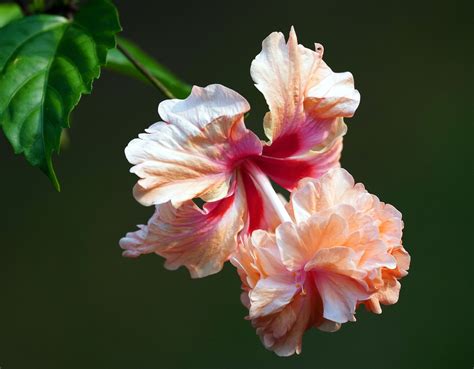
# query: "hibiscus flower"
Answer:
x=202 y=149
x=339 y=247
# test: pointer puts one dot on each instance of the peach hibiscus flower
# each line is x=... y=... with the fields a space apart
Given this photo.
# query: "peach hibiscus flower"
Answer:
x=337 y=247
x=202 y=149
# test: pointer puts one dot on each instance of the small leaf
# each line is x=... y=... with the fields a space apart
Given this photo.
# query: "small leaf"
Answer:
x=118 y=62
x=46 y=63
x=8 y=13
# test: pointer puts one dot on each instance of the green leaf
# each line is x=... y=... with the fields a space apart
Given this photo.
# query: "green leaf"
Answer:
x=46 y=63
x=118 y=62
x=8 y=13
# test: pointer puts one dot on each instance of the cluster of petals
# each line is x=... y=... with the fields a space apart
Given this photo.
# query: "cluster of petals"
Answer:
x=341 y=248
x=305 y=263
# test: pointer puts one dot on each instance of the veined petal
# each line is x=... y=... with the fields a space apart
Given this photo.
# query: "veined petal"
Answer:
x=333 y=189
x=244 y=261
x=282 y=73
x=283 y=331
x=389 y=291
x=267 y=256
x=258 y=257
x=403 y=261
x=337 y=259
x=183 y=159
x=298 y=243
x=390 y=222
x=138 y=243
x=200 y=239
x=376 y=255
x=271 y=295
x=294 y=251
x=333 y=96
x=203 y=106
x=307 y=100
x=340 y=295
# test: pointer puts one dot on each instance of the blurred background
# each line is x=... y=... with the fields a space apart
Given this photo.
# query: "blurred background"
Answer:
x=68 y=298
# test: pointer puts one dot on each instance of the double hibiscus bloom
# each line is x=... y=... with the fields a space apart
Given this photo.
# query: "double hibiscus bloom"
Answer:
x=304 y=263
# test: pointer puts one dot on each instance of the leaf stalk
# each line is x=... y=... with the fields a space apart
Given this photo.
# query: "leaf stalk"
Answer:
x=141 y=68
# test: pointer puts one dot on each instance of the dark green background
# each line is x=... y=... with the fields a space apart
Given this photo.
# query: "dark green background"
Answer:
x=68 y=298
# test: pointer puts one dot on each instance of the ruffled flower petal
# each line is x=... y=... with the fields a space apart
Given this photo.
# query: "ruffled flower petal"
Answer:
x=340 y=295
x=194 y=153
x=333 y=189
x=282 y=332
x=334 y=96
x=279 y=309
x=203 y=106
x=299 y=242
x=307 y=102
x=271 y=295
x=389 y=290
x=200 y=239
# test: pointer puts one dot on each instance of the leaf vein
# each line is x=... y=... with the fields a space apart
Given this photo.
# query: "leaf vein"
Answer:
x=20 y=46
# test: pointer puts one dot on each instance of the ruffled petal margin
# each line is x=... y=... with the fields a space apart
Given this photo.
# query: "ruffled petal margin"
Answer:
x=200 y=239
x=307 y=102
x=195 y=151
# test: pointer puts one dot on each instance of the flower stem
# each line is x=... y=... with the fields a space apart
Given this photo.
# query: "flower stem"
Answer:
x=262 y=181
x=141 y=68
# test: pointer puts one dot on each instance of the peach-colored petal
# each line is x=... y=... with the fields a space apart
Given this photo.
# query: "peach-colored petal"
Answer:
x=291 y=76
x=271 y=295
x=388 y=292
x=339 y=280
x=328 y=326
x=279 y=309
x=390 y=222
x=298 y=243
x=195 y=152
x=333 y=189
x=244 y=261
x=340 y=295
x=267 y=256
x=293 y=250
x=333 y=96
x=307 y=102
x=257 y=257
x=203 y=106
x=337 y=188
x=403 y=261
x=336 y=259
x=282 y=332
x=200 y=239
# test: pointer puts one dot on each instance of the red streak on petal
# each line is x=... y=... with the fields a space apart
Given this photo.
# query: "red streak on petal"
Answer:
x=255 y=204
x=284 y=146
x=287 y=172
x=213 y=211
